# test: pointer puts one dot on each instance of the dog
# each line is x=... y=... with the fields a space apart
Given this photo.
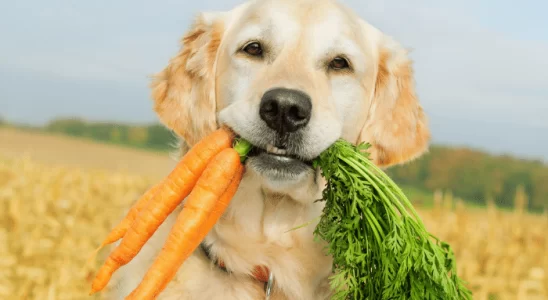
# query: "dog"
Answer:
x=291 y=77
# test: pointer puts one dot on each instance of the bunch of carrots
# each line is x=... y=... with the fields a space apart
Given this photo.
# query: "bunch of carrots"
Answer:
x=209 y=174
x=380 y=247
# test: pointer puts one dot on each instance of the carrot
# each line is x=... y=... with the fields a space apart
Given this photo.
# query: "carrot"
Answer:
x=205 y=205
x=175 y=187
x=120 y=230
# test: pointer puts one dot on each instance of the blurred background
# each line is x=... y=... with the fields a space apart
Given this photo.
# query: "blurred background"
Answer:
x=79 y=140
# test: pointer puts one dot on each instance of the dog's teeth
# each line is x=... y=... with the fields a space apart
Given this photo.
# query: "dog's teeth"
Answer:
x=275 y=150
x=280 y=151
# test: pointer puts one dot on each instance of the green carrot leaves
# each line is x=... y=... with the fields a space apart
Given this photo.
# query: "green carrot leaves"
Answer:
x=380 y=247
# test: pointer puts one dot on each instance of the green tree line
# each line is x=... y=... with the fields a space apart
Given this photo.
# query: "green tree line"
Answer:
x=477 y=176
x=472 y=175
x=154 y=136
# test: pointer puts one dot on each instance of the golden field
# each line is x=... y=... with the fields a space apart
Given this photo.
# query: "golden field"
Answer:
x=60 y=196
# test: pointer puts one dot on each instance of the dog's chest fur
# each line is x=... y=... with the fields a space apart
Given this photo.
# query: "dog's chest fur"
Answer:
x=255 y=230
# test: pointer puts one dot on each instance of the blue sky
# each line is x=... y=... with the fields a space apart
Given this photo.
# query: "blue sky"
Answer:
x=481 y=66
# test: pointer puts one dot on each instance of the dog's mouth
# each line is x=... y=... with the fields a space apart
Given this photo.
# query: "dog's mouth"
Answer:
x=277 y=163
x=279 y=154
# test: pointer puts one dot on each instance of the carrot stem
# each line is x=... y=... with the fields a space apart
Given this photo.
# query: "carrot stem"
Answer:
x=242 y=147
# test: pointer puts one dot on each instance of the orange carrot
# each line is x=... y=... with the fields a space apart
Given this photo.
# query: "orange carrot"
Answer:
x=219 y=209
x=120 y=230
x=171 y=192
x=204 y=206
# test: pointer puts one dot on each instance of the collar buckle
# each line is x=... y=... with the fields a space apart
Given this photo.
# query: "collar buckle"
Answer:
x=268 y=285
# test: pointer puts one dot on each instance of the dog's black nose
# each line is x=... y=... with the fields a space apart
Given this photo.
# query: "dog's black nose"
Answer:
x=285 y=110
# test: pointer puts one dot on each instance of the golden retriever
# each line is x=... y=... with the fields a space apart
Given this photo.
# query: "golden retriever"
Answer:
x=291 y=76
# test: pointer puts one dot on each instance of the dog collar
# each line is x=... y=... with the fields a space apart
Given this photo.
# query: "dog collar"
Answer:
x=260 y=273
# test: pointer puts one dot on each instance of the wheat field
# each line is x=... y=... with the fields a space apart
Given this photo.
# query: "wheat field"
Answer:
x=59 y=197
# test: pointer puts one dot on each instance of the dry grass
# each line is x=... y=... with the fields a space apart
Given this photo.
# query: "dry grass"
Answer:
x=55 y=208
x=51 y=219
x=53 y=216
x=501 y=254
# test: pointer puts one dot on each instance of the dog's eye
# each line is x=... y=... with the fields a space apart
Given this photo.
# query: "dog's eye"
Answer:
x=339 y=63
x=253 y=49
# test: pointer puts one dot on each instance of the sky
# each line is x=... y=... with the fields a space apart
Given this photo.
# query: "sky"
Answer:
x=481 y=66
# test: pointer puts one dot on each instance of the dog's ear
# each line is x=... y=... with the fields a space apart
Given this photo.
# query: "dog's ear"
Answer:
x=396 y=125
x=184 y=92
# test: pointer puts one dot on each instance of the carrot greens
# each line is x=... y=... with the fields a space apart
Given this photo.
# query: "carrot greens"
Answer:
x=379 y=245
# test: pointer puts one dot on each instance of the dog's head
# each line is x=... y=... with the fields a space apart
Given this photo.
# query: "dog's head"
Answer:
x=293 y=76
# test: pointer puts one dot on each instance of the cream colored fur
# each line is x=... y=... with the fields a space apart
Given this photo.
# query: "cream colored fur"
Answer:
x=208 y=83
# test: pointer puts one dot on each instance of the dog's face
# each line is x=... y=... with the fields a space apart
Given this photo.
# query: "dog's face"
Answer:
x=292 y=77
x=289 y=79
